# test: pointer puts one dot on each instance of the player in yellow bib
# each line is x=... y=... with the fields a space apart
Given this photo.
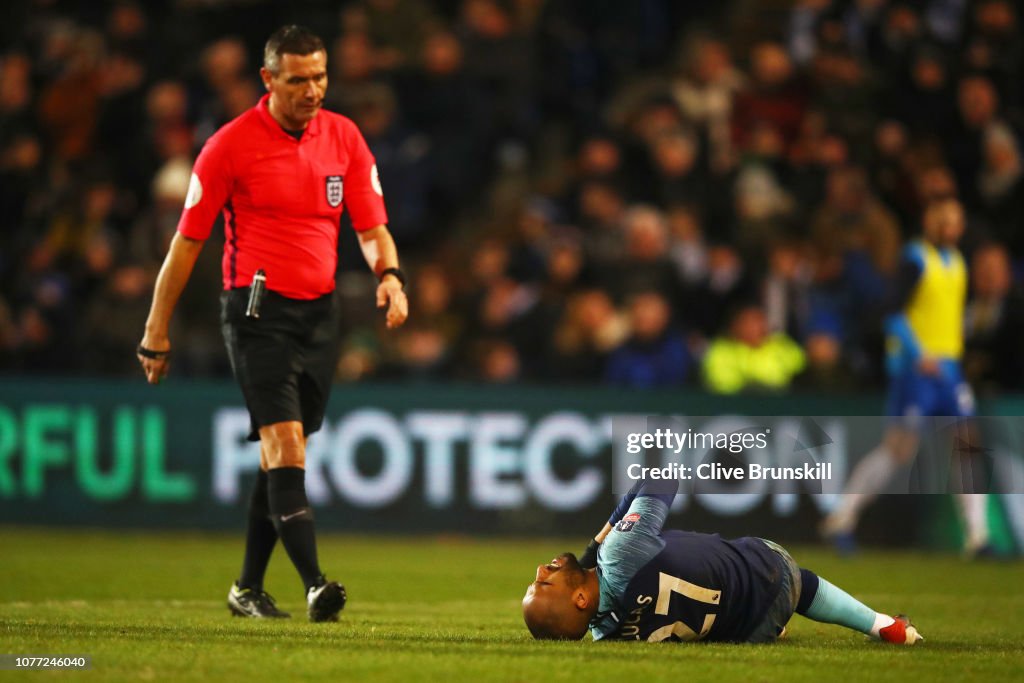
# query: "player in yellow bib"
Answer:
x=924 y=343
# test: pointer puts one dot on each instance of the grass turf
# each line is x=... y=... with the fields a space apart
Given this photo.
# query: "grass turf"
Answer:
x=149 y=606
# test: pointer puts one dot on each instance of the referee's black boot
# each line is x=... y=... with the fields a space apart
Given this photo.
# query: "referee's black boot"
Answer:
x=326 y=600
x=247 y=602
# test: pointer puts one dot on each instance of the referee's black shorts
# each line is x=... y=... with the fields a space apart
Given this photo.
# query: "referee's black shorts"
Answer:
x=285 y=359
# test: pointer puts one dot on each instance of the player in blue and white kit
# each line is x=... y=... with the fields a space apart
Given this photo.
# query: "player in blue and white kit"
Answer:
x=925 y=343
x=655 y=585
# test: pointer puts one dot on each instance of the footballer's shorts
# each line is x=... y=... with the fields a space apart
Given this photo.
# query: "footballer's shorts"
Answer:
x=780 y=611
x=913 y=396
x=284 y=360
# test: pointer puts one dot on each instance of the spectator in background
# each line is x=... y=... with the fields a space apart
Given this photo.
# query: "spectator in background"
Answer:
x=645 y=120
x=922 y=97
x=119 y=135
x=994 y=323
x=854 y=226
x=499 y=65
x=496 y=362
x=704 y=90
x=531 y=233
x=655 y=354
x=421 y=353
x=433 y=305
x=827 y=371
x=403 y=160
x=750 y=358
x=801 y=37
x=111 y=322
x=845 y=93
x=811 y=157
x=678 y=179
x=726 y=285
x=128 y=31
x=785 y=289
x=429 y=348
x=69 y=105
x=438 y=97
x=775 y=95
x=601 y=211
x=891 y=172
x=932 y=183
x=900 y=32
x=496 y=305
x=590 y=329
x=152 y=232
x=978 y=106
x=44 y=317
x=508 y=311
x=9 y=336
x=563 y=275
x=167 y=132
x=994 y=47
x=1001 y=186
x=688 y=249
x=15 y=95
x=599 y=158
x=397 y=29
x=644 y=264
x=224 y=63
x=237 y=97
x=598 y=161
x=935 y=181
x=360 y=358
x=80 y=238
x=763 y=209
x=834 y=305
x=353 y=69
x=21 y=158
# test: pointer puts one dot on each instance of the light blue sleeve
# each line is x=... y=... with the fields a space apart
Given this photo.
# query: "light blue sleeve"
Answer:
x=632 y=543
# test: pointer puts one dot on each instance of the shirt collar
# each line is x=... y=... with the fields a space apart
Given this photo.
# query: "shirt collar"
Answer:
x=312 y=130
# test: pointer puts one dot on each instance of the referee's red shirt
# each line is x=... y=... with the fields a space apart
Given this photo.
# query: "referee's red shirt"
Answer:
x=282 y=198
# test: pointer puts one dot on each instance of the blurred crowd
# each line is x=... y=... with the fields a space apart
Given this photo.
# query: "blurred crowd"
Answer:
x=641 y=194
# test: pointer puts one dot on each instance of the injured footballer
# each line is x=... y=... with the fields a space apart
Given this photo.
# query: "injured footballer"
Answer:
x=637 y=581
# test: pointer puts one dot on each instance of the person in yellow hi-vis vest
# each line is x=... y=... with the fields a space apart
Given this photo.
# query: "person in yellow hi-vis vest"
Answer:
x=924 y=344
x=751 y=358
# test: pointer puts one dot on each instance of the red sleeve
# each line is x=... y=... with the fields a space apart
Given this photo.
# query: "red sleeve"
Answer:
x=208 y=190
x=363 y=194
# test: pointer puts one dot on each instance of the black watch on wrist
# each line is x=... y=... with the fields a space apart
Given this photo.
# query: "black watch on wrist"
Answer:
x=397 y=272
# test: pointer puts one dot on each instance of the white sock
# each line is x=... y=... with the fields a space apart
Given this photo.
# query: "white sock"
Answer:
x=869 y=478
x=881 y=621
x=974 y=508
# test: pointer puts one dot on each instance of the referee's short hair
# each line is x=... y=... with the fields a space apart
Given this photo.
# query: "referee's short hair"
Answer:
x=291 y=40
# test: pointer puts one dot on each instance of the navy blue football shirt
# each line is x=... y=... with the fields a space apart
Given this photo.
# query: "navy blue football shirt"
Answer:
x=677 y=585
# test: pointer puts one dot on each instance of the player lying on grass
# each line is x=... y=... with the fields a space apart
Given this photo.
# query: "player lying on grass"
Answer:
x=637 y=581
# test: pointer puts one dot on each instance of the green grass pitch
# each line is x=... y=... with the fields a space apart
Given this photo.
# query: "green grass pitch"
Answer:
x=150 y=606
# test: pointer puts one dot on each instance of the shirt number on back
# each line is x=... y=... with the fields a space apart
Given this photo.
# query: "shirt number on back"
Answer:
x=667 y=585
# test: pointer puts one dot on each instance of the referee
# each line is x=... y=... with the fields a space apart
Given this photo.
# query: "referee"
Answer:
x=282 y=173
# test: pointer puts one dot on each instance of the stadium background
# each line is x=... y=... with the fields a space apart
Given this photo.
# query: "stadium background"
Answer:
x=588 y=197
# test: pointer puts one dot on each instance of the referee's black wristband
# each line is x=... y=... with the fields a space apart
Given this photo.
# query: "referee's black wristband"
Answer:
x=397 y=272
x=150 y=353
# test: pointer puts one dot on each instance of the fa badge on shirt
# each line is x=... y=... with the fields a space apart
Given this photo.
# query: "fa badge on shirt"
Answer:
x=334 y=190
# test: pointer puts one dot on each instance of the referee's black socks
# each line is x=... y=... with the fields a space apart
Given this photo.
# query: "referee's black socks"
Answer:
x=260 y=538
x=293 y=519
